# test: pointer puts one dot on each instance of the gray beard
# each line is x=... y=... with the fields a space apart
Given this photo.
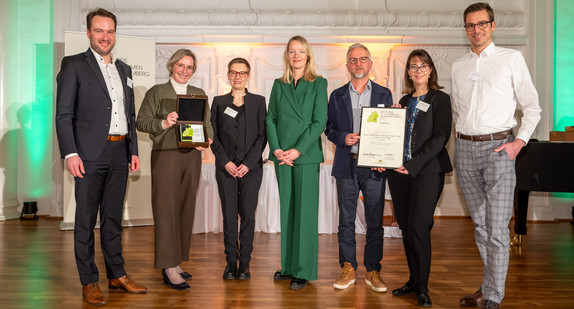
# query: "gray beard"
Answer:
x=359 y=76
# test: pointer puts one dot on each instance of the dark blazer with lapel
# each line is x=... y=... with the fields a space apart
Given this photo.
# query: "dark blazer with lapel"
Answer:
x=340 y=123
x=255 y=134
x=430 y=134
x=296 y=118
x=83 y=107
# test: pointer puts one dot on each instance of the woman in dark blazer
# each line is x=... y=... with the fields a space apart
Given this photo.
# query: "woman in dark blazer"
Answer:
x=296 y=118
x=417 y=185
x=238 y=120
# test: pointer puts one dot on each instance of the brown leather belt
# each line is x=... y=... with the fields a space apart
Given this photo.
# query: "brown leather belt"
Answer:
x=485 y=138
x=116 y=138
x=354 y=156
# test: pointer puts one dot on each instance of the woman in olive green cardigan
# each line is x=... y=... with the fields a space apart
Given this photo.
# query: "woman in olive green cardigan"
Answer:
x=174 y=172
x=296 y=118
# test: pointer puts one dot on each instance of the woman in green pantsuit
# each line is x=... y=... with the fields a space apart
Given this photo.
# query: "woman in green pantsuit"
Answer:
x=295 y=120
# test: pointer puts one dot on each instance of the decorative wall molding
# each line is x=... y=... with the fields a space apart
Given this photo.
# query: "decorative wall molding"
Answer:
x=319 y=13
x=273 y=21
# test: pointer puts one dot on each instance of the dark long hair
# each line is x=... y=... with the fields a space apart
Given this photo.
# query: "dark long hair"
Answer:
x=425 y=58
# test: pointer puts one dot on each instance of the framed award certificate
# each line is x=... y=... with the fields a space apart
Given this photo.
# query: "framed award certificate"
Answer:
x=190 y=131
x=382 y=137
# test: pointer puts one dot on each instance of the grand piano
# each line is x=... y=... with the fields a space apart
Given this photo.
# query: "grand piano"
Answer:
x=541 y=166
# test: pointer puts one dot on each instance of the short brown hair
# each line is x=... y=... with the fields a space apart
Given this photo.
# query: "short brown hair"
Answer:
x=425 y=58
x=180 y=53
x=100 y=12
x=479 y=6
x=238 y=60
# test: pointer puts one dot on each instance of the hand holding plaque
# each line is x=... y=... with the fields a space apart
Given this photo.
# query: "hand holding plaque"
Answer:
x=190 y=131
x=382 y=137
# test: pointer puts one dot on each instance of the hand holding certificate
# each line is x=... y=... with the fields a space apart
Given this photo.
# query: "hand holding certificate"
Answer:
x=382 y=137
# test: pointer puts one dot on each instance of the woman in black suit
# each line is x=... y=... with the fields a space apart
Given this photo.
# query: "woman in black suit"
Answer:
x=417 y=185
x=238 y=120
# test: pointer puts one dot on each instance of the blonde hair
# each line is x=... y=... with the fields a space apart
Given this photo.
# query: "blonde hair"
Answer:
x=180 y=53
x=310 y=71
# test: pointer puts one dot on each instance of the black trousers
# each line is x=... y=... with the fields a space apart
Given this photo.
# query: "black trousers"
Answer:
x=415 y=201
x=102 y=188
x=238 y=197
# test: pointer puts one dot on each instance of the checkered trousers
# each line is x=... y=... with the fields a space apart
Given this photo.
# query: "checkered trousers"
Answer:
x=488 y=179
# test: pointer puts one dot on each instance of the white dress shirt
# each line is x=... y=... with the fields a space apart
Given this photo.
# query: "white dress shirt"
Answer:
x=118 y=122
x=486 y=89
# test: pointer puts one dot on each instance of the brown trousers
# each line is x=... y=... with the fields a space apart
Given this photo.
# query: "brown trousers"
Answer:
x=175 y=177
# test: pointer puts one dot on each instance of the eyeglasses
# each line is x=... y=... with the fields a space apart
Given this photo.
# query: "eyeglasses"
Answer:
x=242 y=74
x=360 y=59
x=183 y=67
x=481 y=25
x=414 y=68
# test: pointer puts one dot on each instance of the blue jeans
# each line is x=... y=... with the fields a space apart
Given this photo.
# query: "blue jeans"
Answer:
x=374 y=200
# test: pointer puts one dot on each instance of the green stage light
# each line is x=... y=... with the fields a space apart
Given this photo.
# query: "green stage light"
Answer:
x=563 y=64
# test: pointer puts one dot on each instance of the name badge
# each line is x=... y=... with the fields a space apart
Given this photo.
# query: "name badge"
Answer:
x=475 y=76
x=423 y=106
x=380 y=105
x=230 y=112
x=130 y=83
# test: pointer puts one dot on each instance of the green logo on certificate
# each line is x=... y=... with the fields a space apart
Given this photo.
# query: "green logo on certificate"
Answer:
x=373 y=117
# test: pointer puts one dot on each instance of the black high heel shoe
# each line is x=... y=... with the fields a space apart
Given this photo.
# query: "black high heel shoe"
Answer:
x=185 y=275
x=180 y=286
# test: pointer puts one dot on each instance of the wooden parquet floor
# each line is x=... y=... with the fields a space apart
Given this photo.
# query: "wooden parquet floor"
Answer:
x=37 y=270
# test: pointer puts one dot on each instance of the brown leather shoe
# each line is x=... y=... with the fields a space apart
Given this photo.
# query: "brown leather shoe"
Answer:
x=375 y=281
x=473 y=300
x=126 y=283
x=93 y=295
x=347 y=278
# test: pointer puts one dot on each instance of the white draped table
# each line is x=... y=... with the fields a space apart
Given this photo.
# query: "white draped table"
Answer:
x=208 y=216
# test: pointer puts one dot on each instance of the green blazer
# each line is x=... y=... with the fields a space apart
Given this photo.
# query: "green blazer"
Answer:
x=159 y=101
x=296 y=118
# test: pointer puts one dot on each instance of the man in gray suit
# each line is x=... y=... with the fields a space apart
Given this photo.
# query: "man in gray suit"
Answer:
x=95 y=123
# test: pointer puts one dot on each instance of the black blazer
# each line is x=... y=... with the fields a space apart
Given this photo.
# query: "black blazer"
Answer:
x=84 y=107
x=255 y=135
x=431 y=132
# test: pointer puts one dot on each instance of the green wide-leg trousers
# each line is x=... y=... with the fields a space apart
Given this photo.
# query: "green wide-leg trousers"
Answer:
x=299 y=197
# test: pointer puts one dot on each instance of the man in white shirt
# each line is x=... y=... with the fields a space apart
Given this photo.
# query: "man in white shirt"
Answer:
x=487 y=84
x=95 y=123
